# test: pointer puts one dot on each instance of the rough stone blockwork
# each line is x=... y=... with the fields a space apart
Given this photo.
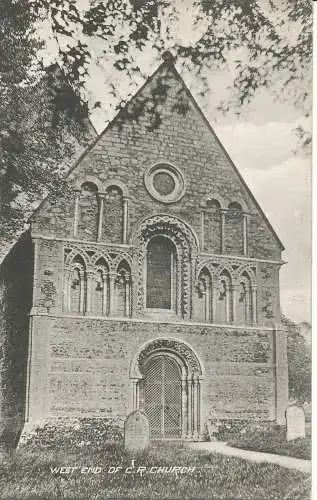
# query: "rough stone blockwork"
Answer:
x=101 y=345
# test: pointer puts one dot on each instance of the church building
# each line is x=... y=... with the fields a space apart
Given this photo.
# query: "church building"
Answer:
x=153 y=285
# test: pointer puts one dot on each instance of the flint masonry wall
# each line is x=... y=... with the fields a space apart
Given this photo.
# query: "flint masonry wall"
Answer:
x=48 y=282
x=89 y=360
x=80 y=365
x=129 y=147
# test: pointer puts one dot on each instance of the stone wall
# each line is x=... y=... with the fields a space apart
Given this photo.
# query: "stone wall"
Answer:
x=128 y=147
x=88 y=363
x=49 y=282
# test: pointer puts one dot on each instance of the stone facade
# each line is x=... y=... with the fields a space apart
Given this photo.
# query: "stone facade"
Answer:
x=202 y=335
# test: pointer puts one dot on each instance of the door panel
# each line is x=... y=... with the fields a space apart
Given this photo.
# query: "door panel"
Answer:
x=162 y=397
x=153 y=396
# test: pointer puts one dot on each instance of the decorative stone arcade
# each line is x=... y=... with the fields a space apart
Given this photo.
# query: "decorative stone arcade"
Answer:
x=167 y=380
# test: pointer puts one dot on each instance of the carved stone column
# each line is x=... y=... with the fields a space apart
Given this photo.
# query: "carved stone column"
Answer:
x=134 y=394
x=208 y=302
x=67 y=290
x=199 y=389
x=112 y=293
x=137 y=395
x=192 y=276
x=195 y=406
x=214 y=293
x=254 y=305
x=90 y=277
x=100 y=215
x=133 y=295
x=222 y=237
x=202 y=222
x=184 y=405
x=105 y=296
x=125 y=220
x=233 y=304
x=178 y=284
x=82 y=288
x=245 y=234
x=76 y=212
x=127 y=296
x=189 y=407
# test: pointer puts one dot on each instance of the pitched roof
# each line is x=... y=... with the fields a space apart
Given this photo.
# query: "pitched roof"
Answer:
x=168 y=63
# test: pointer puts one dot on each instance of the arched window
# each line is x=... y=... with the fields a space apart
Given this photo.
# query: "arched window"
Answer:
x=204 y=296
x=212 y=226
x=100 y=289
x=234 y=230
x=244 y=300
x=160 y=274
x=77 y=286
x=112 y=231
x=123 y=290
x=88 y=210
x=224 y=299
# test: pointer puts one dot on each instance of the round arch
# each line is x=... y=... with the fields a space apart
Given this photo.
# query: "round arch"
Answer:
x=116 y=183
x=189 y=403
x=180 y=347
x=187 y=247
x=90 y=179
x=163 y=221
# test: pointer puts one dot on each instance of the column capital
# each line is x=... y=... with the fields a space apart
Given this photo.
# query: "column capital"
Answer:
x=196 y=377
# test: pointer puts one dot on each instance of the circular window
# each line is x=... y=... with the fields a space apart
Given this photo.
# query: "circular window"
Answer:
x=165 y=183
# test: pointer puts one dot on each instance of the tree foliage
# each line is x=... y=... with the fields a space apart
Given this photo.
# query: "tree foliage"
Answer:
x=256 y=32
x=41 y=120
x=41 y=115
x=299 y=363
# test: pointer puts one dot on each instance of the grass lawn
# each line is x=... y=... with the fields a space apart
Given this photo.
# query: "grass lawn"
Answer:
x=274 y=441
x=28 y=475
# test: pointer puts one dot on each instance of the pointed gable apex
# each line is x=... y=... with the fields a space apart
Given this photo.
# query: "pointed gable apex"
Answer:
x=168 y=66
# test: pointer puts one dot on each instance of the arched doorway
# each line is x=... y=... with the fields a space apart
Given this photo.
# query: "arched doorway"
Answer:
x=167 y=377
x=162 y=396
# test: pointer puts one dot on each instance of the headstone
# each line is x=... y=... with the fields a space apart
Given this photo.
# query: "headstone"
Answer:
x=295 y=423
x=212 y=429
x=136 y=431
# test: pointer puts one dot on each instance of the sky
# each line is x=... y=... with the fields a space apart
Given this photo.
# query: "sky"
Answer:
x=261 y=141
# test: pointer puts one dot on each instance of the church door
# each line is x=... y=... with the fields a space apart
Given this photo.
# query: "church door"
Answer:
x=163 y=397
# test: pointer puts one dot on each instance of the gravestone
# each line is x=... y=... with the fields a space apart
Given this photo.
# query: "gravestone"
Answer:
x=212 y=429
x=295 y=423
x=136 y=431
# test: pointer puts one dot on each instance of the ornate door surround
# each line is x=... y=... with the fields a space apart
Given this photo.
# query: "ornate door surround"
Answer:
x=191 y=383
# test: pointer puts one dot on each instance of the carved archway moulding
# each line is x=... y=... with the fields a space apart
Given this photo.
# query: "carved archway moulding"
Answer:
x=175 y=347
x=234 y=268
x=187 y=247
x=92 y=253
x=164 y=222
x=191 y=381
